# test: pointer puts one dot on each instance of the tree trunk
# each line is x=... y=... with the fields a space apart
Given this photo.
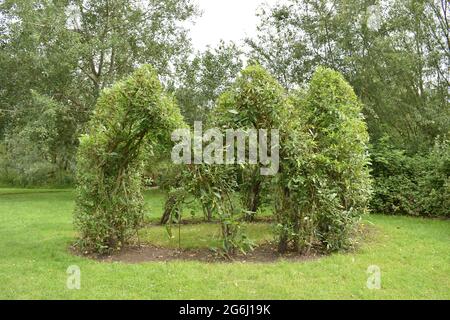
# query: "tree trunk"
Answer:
x=168 y=208
x=207 y=212
x=253 y=200
x=283 y=243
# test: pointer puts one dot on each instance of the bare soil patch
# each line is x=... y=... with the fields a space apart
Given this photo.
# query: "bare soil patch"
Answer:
x=265 y=253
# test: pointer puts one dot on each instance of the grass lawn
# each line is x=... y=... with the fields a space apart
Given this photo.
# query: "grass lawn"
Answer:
x=36 y=230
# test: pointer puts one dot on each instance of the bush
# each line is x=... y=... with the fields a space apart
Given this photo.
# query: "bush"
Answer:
x=417 y=185
x=132 y=114
x=325 y=182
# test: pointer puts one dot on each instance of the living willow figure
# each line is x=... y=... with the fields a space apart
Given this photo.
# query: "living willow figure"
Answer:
x=255 y=101
x=324 y=183
x=132 y=116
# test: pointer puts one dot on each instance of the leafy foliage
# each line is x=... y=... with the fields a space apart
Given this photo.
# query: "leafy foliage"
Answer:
x=69 y=51
x=395 y=54
x=325 y=184
x=255 y=101
x=213 y=186
x=202 y=79
x=57 y=57
x=36 y=152
x=109 y=205
x=415 y=185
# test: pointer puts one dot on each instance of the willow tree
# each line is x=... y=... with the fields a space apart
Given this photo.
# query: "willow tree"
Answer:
x=66 y=52
x=132 y=116
x=324 y=183
x=395 y=54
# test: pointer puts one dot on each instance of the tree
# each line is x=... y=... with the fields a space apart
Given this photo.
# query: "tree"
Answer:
x=395 y=54
x=70 y=50
x=109 y=203
x=36 y=149
x=202 y=79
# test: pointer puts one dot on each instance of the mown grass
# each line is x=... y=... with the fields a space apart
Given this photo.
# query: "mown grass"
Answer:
x=36 y=230
x=206 y=235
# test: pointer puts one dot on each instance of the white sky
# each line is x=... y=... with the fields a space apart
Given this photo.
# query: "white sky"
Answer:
x=230 y=20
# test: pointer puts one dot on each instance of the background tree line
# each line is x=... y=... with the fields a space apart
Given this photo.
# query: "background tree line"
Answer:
x=56 y=56
x=396 y=55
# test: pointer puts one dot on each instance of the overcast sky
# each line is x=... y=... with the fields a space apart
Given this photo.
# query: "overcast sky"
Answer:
x=225 y=19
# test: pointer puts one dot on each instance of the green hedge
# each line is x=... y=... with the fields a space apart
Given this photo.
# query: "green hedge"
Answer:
x=417 y=185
